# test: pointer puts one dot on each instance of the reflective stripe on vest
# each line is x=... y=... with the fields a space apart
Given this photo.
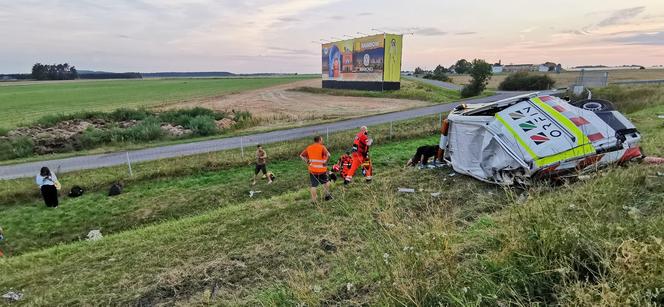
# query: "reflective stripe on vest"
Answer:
x=316 y=154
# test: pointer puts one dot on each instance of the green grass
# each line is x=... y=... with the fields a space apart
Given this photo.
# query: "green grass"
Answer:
x=595 y=242
x=409 y=90
x=22 y=104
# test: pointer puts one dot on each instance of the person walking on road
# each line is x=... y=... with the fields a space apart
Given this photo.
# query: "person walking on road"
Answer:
x=261 y=162
x=316 y=156
x=360 y=155
x=48 y=182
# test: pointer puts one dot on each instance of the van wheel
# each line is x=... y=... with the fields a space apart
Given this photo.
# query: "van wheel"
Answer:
x=595 y=105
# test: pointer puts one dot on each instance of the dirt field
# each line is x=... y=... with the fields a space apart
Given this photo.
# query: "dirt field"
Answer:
x=278 y=104
x=567 y=78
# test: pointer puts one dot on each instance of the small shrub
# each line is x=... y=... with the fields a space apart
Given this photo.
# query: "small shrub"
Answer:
x=129 y=114
x=4 y=131
x=182 y=117
x=17 y=148
x=202 y=125
x=523 y=81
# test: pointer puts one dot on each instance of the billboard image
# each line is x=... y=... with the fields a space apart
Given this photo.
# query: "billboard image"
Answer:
x=375 y=58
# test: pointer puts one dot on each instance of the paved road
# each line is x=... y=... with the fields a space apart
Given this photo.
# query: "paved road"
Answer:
x=447 y=85
x=171 y=151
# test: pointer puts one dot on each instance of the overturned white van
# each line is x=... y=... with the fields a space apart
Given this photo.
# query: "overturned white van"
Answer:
x=515 y=140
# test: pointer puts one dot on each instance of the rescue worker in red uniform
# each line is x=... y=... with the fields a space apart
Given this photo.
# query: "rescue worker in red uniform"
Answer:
x=344 y=164
x=360 y=156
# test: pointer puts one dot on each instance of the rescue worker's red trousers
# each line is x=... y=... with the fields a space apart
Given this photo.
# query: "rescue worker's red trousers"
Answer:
x=358 y=160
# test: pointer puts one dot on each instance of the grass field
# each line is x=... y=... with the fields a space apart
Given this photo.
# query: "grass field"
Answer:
x=187 y=233
x=564 y=79
x=24 y=103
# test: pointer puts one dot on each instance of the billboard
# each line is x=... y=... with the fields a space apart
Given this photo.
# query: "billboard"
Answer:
x=364 y=59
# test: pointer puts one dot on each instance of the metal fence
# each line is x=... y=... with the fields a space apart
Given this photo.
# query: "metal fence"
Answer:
x=592 y=79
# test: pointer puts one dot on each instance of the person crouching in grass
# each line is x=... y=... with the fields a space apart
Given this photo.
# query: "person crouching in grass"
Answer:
x=261 y=162
x=316 y=156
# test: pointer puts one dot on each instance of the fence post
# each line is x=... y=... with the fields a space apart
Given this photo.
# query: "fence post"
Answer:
x=131 y=173
x=327 y=134
x=242 y=147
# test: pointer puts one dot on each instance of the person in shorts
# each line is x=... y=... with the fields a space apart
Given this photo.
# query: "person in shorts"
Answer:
x=316 y=156
x=261 y=162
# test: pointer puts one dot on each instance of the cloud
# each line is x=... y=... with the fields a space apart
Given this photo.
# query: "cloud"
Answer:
x=365 y=14
x=288 y=51
x=651 y=38
x=337 y=17
x=528 y=30
x=620 y=16
x=429 y=31
x=288 y=19
x=465 y=33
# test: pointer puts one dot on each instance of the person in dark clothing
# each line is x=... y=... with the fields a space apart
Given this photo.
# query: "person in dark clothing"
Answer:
x=423 y=154
x=47 y=182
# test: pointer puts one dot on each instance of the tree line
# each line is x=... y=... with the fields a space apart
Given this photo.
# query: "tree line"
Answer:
x=54 y=72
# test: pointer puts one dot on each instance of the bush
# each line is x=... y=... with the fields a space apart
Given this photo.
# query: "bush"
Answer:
x=16 y=148
x=523 y=81
x=129 y=114
x=147 y=130
x=202 y=125
x=183 y=117
x=52 y=120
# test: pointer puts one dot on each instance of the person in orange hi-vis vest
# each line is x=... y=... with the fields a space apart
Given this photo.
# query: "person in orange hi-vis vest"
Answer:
x=316 y=156
x=360 y=155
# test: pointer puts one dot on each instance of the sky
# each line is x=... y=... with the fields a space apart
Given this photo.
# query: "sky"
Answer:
x=285 y=35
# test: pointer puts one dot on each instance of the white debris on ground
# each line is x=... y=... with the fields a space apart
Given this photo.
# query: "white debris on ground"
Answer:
x=252 y=193
x=13 y=296
x=406 y=190
x=435 y=194
x=95 y=235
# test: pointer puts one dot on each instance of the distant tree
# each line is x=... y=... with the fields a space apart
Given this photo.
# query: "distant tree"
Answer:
x=54 y=72
x=480 y=71
x=439 y=73
x=418 y=71
x=462 y=66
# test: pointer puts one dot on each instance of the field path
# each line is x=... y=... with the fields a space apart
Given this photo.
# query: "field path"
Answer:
x=171 y=151
x=280 y=102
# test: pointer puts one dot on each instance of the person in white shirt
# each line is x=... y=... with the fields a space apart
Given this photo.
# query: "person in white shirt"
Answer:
x=46 y=181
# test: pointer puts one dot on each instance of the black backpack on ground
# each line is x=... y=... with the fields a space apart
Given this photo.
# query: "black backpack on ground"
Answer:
x=75 y=191
x=116 y=189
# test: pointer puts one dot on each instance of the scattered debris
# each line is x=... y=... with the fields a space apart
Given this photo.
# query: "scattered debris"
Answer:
x=660 y=174
x=584 y=177
x=406 y=190
x=660 y=116
x=95 y=235
x=435 y=194
x=452 y=174
x=2 y=234
x=214 y=292
x=653 y=160
x=317 y=289
x=522 y=198
x=13 y=296
x=349 y=287
x=386 y=258
x=328 y=246
x=252 y=193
